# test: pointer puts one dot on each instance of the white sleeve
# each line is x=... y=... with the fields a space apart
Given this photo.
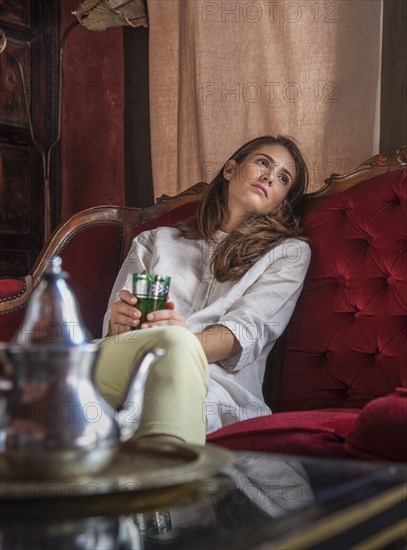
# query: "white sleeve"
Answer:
x=138 y=259
x=261 y=314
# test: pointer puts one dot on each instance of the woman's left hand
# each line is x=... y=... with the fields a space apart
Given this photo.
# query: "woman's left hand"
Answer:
x=164 y=317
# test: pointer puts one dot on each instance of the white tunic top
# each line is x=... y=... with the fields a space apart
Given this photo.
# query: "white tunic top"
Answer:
x=256 y=309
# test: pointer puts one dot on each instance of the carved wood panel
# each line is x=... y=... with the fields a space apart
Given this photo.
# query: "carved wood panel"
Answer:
x=12 y=97
x=15 y=11
x=32 y=31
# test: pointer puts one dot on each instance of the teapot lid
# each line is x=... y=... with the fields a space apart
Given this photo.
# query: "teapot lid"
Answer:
x=52 y=315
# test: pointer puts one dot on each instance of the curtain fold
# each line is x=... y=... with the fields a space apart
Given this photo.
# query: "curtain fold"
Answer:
x=224 y=72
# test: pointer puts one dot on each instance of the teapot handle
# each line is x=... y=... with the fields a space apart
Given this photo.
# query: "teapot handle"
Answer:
x=135 y=392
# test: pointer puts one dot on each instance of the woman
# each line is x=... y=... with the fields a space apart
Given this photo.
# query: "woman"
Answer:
x=236 y=270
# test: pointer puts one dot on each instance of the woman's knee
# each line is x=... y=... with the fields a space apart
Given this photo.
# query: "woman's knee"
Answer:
x=179 y=337
x=183 y=347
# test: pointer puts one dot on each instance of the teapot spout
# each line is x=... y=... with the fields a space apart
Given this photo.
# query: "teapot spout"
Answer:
x=135 y=394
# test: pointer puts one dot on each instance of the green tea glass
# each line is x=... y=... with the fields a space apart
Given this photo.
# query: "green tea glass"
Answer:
x=151 y=292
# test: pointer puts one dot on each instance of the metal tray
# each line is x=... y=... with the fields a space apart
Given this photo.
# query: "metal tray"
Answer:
x=138 y=466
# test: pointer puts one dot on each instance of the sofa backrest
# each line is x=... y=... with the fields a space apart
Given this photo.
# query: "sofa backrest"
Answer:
x=346 y=342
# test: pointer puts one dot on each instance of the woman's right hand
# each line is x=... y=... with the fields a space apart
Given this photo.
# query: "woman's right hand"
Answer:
x=124 y=315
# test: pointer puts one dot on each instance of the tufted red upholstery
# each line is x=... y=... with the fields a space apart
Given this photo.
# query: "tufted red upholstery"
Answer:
x=346 y=343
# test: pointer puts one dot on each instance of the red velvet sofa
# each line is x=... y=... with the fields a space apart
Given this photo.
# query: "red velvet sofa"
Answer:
x=337 y=379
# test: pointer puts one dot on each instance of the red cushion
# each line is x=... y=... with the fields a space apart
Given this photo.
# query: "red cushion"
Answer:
x=11 y=289
x=380 y=431
x=346 y=341
x=312 y=433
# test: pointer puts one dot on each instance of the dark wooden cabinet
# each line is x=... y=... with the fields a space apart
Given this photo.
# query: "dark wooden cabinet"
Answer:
x=32 y=32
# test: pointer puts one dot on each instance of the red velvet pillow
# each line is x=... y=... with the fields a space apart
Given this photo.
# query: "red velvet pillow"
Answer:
x=380 y=431
x=311 y=433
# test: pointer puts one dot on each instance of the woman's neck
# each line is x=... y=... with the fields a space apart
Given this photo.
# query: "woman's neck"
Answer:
x=230 y=222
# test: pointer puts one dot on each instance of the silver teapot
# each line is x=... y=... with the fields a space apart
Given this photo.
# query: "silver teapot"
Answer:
x=53 y=420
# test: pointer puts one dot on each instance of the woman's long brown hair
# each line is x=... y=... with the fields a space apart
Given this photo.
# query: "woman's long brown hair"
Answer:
x=254 y=237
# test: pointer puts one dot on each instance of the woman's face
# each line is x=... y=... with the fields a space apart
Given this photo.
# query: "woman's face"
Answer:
x=260 y=183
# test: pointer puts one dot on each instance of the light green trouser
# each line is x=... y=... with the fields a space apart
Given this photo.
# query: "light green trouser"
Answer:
x=176 y=386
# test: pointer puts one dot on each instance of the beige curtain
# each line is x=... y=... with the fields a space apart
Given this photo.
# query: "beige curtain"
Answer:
x=225 y=71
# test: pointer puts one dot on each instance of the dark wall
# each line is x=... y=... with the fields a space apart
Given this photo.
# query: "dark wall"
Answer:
x=393 y=117
x=137 y=156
